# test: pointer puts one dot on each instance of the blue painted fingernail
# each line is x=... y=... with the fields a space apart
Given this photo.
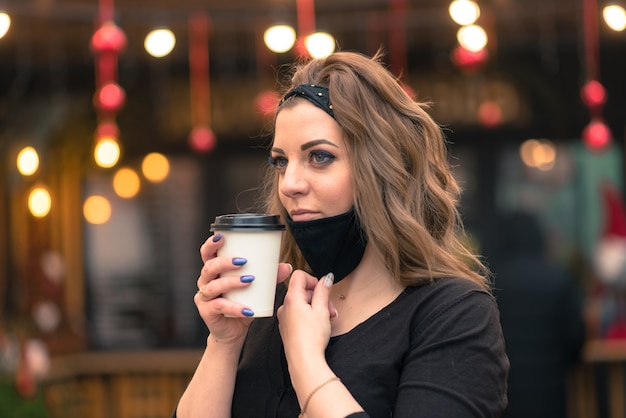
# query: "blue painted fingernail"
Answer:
x=246 y=279
x=238 y=261
x=247 y=312
x=217 y=237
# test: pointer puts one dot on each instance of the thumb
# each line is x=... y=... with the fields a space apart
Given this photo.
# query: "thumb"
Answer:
x=321 y=294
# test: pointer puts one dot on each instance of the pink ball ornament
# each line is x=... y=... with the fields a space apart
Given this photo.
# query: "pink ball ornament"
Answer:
x=266 y=102
x=467 y=60
x=108 y=38
x=202 y=139
x=110 y=97
x=107 y=130
x=596 y=135
x=593 y=94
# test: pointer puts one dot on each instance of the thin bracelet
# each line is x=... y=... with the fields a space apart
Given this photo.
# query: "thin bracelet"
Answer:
x=306 y=403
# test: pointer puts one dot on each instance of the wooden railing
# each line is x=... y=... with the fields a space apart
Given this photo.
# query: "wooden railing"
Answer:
x=118 y=384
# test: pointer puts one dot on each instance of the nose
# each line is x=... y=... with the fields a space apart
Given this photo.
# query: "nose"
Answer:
x=294 y=182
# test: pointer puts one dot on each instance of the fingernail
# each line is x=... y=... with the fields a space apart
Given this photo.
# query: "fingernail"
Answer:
x=247 y=312
x=217 y=237
x=246 y=279
x=238 y=261
x=329 y=279
x=290 y=268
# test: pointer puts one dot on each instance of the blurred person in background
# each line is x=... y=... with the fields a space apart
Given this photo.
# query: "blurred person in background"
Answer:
x=541 y=314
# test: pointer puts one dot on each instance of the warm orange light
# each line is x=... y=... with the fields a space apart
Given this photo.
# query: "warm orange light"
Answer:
x=155 y=167
x=39 y=202
x=97 y=210
x=27 y=161
x=107 y=152
x=540 y=154
x=126 y=183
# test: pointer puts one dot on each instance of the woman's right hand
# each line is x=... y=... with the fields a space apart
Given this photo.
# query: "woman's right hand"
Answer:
x=218 y=276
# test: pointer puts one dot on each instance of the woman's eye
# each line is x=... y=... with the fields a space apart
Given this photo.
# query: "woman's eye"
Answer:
x=321 y=157
x=278 y=162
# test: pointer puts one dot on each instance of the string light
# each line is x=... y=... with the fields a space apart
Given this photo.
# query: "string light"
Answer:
x=126 y=183
x=615 y=17
x=160 y=42
x=39 y=202
x=279 y=38
x=97 y=210
x=155 y=167
x=464 y=12
x=27 y=161
x=5 y=24
x=320 y=44
x=107 y=152
x=472 y=37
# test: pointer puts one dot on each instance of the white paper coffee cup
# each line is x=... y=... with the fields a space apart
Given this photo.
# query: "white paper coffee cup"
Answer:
x=257 y=238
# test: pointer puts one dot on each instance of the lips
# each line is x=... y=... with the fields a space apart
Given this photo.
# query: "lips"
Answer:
x=299 y=215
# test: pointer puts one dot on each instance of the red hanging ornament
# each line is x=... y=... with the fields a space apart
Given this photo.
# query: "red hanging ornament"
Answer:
x=490 y=114
x=469 y=61
x=108 y=38
x=107 y=129
x=110 y=97
x=596 y=135
x=593 y=94
x=266 y=102
x=202 y=139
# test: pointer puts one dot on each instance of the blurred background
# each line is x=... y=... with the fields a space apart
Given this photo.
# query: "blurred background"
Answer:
x=126 y=127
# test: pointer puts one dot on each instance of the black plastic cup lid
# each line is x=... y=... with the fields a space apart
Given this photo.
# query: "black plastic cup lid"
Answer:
x=247 y=222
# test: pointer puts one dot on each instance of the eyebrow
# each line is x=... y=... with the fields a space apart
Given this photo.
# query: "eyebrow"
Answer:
x=307 y=145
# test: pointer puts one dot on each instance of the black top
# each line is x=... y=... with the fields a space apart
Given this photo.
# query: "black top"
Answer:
x=435 y=351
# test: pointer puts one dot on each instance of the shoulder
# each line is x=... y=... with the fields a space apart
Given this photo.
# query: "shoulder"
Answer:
x=450 y=304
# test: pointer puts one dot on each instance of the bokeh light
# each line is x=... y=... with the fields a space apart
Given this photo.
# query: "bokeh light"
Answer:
x=155 y=167
x=614 y=17
x=464 y=12
x=5 y=24
x=39 y=202
x=27 y=161
x=279 y=38
x=472 y=37
x=320 y=44
x=97 y=210
x=126 y=183
x=160 y=42
x=107 y=152
x=538 y=153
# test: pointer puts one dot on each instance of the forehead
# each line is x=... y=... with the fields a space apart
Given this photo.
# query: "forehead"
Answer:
x=301 y=120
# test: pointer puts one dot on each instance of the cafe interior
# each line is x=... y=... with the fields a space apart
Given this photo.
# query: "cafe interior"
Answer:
x=127 y=126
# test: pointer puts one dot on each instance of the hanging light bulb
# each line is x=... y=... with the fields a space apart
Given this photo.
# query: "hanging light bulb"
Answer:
x=27 y=161
x=615 y=17
x=472 y=37
x=279 y=38
x=160 y=42
x=464 y=12
x=320 y=44
x=126 y=183
x=97 y=210
x=155 y=167
x=107 y=152
x=5 y=24
x=39 y=202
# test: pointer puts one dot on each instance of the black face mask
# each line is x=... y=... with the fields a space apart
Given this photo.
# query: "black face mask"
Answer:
x=335 y=244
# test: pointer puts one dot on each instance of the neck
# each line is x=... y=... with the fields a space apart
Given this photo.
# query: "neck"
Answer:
x=364 y=292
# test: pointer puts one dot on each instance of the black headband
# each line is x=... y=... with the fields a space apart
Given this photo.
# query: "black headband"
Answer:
x=318 y=95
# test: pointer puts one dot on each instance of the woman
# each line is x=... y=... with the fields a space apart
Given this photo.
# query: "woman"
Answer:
x=387 y=313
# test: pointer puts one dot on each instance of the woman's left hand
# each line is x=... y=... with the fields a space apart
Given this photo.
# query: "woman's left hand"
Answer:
x=304 y=318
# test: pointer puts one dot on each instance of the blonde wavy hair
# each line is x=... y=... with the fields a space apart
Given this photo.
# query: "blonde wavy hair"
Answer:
x=404 y=193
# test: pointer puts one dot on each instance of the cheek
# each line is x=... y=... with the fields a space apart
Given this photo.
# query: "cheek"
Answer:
x=339 y=192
